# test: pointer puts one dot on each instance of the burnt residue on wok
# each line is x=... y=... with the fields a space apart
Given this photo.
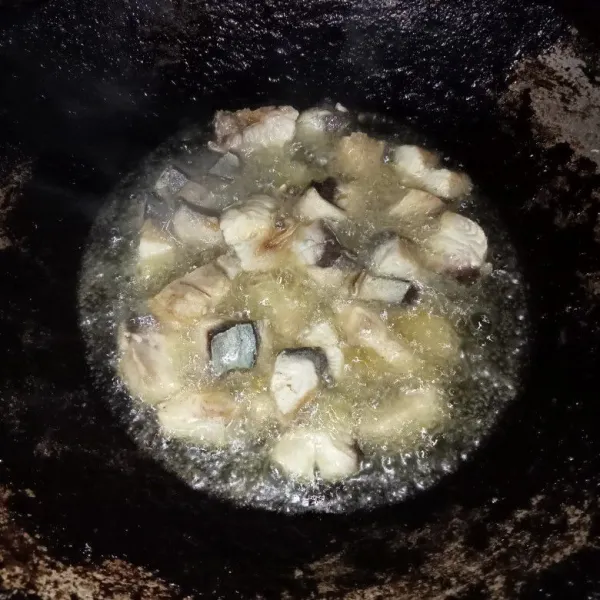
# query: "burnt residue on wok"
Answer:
x=516 y=522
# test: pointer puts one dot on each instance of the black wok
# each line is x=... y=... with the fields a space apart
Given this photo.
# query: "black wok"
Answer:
x=89 y=88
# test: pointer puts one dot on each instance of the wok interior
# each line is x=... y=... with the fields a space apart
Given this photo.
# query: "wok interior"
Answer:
x=102 y=484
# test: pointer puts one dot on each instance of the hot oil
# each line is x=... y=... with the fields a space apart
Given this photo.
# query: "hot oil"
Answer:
x=487 y=318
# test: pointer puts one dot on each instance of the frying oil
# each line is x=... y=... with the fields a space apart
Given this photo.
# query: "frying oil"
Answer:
x=489 y=319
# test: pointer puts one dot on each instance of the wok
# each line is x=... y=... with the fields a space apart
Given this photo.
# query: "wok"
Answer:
x=88 y=89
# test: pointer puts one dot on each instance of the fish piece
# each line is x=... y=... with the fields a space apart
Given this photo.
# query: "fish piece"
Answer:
x=295 y=377
x=250 y=230
x=299 y=451
x=322 y=335
x=459 y=246
x=201 y=417
x=147 y=364
x=381 y=289
x=247 y=130
x=448 y=184
x=153 y=242
x=322 y=120
x=252 y=220
x=432 y=335
x=227 y=167
x=358 y=155
x=328 y=278
x=276 y=129
x=156 y=251
x=230 y=264
x=335 y=269
x=401 y=419
x=417 y=206
x=335 y=459
x=364 y=328
x=190 y=297
x=228 y=129
x=316 y=244
x=233 y=348
x=200 y=197
x=414 y=161
x=262 y=411
x=169 y=182
x=313 y=206
x=396 y=257
x=317 y=130
x=197 y=229
x=295 y=454
x=271 y=252
x=419 y=168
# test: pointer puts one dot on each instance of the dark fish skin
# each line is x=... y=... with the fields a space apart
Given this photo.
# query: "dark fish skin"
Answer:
x=326 y=189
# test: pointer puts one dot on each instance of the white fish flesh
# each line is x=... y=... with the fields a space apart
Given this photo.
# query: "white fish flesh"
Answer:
x=198 y=416
x=328 y=278
x=448 y=184
x=199 y=196
x=250 y=231
x=190 y=297
x=335 y=459
x=274 y=130
x=380 y=289
x=248 y=130
x=295 y=454
x=197 y=229
x=296 y=377
x=403 y=418
x=313 y=206
x=316 y=244
x=414 y=161
x=148 y=365
x=396 y=257
x=419 y=168
x=251 y=221
x=317 y=129
x=156 y=251
x=315 y=121
x=364 y=328
x=458 y=246
x=300 y=451
x=323 y=335
x=416 y=205
x=230 y=264
x=154 y=243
